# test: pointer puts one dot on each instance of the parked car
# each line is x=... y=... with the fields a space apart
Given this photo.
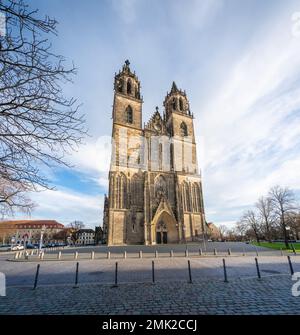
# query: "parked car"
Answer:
x=31 y=246
x=5 y=247
x=50 y=245
x=37 y=245
x=17 y=247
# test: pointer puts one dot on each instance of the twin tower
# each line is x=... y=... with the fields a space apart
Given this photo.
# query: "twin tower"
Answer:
x=155 y=190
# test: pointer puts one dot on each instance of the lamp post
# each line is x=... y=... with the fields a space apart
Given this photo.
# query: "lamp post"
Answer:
x=185 y=241
x=41 y=238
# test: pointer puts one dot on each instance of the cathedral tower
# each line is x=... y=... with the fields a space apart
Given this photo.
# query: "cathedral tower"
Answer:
x=155 y=192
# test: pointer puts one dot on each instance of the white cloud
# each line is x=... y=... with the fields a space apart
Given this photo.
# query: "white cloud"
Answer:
x=66 y=205
x=93 y=159
x=249 y=128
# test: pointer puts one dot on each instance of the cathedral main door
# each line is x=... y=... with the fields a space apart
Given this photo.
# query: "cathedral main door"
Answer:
x=161 y=233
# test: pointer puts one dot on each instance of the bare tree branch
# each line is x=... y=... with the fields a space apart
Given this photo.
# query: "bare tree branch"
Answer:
x=39 y=125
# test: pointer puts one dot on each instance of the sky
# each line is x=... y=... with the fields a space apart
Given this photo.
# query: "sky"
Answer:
x=239 y=62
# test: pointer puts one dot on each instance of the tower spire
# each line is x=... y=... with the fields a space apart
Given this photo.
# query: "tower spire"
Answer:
x=174 y=87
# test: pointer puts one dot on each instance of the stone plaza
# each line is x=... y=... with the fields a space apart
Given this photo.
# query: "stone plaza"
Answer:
x=135 y=293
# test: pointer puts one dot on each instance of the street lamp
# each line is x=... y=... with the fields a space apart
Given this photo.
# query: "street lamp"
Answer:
x=184 y=229
x=41 y=238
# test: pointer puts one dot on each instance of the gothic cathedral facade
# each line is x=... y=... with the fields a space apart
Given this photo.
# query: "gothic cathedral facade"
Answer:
x=155 y=190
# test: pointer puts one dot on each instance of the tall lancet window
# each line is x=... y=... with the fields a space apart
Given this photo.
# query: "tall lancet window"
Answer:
x=129 y=86
x=129 y=115
x=180 y=104
x=183 y=128
x=174 y=103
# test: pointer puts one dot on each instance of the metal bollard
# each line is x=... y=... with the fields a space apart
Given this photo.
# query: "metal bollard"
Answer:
x=42 y=255
x=225 y=271
x=17 y=255
x=93 y=255
x=229 y=252
x=31 y=254
x=116 y=275
x=200 y=252
x=153 y=277
x=59 y=255
x=244 y=251
x=257 y=268
x=291 y=265
x=76 y=275
x=256 y=251
x=125 y=254
x=171 y=253
x=108 y=254
x=215 y=252
x=76 y=255
x=141 y=254
x=190 y=272
x=36 y=276
x=186 y=253
x=156 y=254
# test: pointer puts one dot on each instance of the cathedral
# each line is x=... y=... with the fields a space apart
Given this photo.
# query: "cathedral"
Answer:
x=155 y=190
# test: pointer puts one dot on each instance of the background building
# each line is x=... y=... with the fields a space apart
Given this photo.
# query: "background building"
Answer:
x=213 y=232
x=85 y=237
x=155 y=189
x=29 y=231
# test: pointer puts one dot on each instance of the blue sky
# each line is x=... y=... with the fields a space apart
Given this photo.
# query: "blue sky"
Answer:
x=239 y=62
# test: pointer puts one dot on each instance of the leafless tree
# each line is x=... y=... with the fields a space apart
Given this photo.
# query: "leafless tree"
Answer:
x=39 y=125
x=75 y=226
x=265 y=210
x=250 y=221
x=223 y=231
x=283 y=202
x=13 y=196
x=241 y=229
x=294 y=223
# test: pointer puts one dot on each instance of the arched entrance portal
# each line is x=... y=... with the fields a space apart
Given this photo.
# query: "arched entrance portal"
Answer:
x=166 y=230
x=161 y=233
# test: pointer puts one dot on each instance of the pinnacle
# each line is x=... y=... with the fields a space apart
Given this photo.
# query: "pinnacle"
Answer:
x=174 y=87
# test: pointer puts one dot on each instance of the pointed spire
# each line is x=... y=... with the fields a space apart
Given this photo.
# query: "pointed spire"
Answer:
x=174 y=88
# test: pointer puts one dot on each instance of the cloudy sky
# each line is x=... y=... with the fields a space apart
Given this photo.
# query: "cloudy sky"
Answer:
x=239 y=62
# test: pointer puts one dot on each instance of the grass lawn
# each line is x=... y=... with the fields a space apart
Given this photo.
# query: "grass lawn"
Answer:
x=277 y=245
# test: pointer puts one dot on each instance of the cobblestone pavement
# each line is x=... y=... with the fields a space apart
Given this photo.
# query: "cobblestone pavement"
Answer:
x=270 y=295
x=101 y=271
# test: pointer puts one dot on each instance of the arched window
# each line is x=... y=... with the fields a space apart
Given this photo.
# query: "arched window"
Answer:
x=185 y=197
x=180 y=104
x=174 y=103
x=120 y=191
x=196 y=198
x=129 y=86
x=120 y=85
x=160 y=187
x=183 y=128
x=129 y=115
x=137 y=191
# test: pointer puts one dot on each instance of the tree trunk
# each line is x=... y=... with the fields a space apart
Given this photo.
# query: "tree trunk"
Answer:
x=257 y=237
x=286 y=239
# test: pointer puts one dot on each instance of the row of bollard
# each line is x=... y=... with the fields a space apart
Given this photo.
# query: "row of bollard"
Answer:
x=153 y=272
x=20 y=254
